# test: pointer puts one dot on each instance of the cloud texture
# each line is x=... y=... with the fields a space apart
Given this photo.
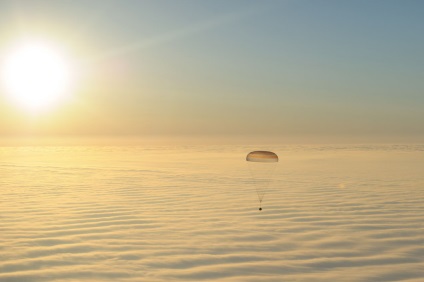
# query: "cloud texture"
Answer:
x=331 y=213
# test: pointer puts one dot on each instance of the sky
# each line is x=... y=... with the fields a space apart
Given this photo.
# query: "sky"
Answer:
x=291 y=71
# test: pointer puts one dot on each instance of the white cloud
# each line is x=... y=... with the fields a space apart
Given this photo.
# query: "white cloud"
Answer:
x=190 y=214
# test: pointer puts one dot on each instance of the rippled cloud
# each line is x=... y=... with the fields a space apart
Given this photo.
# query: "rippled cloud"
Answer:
x=190 y=214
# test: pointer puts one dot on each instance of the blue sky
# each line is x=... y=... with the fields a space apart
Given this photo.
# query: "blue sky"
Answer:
x=307 y=69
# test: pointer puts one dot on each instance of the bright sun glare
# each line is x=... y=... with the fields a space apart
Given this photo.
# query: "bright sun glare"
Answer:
x=36 y=75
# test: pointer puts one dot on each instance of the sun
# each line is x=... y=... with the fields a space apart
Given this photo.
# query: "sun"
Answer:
x=36 y=75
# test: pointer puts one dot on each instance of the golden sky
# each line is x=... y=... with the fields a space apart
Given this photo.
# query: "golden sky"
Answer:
x=246 y=70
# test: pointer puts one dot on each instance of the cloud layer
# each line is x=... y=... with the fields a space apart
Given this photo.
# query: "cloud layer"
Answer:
x=191 y=214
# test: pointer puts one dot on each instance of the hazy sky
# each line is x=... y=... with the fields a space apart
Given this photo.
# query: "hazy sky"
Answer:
x=307 y=69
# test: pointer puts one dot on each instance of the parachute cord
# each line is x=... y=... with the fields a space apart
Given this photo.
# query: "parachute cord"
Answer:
x=260 y=195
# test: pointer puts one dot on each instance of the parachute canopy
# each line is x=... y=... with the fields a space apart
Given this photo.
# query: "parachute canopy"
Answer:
x=262 y=157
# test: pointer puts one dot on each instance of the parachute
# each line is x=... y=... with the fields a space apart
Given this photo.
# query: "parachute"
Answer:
x=262 y=165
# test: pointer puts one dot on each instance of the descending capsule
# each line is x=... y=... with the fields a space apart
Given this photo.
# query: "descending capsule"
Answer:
x=262 y=165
